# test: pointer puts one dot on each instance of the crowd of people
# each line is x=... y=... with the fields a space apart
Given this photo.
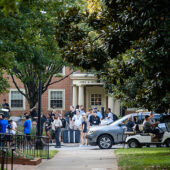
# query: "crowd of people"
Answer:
x=55 y=123
x=74 y=119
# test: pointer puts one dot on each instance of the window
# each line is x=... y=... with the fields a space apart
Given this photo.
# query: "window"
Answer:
x=17 y=100
x=56 y=99
x=61 y=71
x=96 y=99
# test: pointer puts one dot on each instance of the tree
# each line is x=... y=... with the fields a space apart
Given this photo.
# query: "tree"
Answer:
x=27 y=36
x=131 y=39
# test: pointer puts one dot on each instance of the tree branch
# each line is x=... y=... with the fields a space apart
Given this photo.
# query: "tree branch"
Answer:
x=17 y=85
x=57 y=81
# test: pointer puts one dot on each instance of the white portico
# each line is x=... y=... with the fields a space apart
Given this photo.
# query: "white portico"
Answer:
x=87 y=91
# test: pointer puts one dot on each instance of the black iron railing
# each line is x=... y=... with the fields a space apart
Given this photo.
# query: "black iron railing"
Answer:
x=6 y=158
x=26 y=145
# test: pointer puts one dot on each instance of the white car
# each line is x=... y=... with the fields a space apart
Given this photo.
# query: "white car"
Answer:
x=143 y=139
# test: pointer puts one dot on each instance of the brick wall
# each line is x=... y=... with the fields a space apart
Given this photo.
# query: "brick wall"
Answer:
x=64 y=84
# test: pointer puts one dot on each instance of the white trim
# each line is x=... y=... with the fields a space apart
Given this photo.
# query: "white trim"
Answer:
x=49 y=97
x=16 y=109
x=63 y=72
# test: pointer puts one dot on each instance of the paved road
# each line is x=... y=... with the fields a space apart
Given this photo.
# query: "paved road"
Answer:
x=72 y=157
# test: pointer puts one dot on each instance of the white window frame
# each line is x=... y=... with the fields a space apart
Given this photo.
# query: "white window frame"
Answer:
x=63 y=71
x=13 y=108
x=49 y=98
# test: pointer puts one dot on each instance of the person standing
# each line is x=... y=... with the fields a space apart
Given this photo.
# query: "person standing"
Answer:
x=48 y=127
x=71 y=113
x=3 y=126
x=27 y=129
x=5 y=105
x=77 y=120
x=34 y=115
x=94 y=119
x=42 y=121
x=9 y=133
x=63 y=125
x=99 y=114
x=57 y=124
x=82 y=112
x=109 y=116
x=84 y=131
x=14 y=127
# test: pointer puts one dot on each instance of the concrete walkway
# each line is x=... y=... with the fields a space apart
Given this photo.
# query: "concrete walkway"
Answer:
x=81 y=159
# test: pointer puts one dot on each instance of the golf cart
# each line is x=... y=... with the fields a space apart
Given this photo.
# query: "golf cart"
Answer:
x=146 y=139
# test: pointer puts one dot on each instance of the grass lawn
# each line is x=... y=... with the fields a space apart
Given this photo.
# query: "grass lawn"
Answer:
x=52 y=153
x=143 y=158
x=43 y=154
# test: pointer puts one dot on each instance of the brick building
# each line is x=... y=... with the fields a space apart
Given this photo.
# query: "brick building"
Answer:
x=77 y=89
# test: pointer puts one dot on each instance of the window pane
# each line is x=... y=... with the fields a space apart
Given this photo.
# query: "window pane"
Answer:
x=17 y=100
x=56 y=99
x=96 y=99
x=16 y=95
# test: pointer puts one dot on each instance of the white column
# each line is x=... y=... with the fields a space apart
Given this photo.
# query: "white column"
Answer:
x=81 y=95
x=111 y=103
x=117 y=107
x=74 y=99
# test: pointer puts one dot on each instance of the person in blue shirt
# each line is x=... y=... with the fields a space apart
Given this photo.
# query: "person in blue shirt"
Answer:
x=27 y=128
x=82 y=112
x=9 y=136
x=3 y=124
x=98 y=113
x=130 y=124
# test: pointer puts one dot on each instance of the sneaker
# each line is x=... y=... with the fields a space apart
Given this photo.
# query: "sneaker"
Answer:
x=81 y=146
x=57 y=146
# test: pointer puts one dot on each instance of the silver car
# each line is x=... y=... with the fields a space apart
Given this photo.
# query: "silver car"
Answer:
x=108 y=135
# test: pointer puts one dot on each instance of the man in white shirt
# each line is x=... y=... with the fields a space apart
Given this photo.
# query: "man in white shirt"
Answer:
x=14 y=127
x=56 y=125
x=77 y=120
x=110 y=116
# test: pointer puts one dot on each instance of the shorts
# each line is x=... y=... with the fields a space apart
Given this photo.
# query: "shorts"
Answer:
x=84 y=131
x=47 y=129
x=27 y=137
x=9 y=138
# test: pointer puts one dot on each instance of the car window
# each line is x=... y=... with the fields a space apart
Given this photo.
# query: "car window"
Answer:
x=120 y=121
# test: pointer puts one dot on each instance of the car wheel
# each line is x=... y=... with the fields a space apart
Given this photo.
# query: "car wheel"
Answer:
x=167 y=143
x=105 y=142
x=133 y=143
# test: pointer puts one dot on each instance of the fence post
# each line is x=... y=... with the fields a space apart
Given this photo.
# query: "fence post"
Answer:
x=3 y=159
x=12 y=158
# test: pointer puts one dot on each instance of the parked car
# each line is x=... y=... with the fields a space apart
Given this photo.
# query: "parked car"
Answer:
x=107 y=135
x=142 y=139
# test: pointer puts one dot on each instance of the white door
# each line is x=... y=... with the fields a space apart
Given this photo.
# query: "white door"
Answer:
x=95 y=97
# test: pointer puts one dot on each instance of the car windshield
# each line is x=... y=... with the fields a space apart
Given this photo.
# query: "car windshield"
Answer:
x=120 y=121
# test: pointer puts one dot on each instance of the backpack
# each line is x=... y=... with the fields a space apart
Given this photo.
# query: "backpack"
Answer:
x=114 y=117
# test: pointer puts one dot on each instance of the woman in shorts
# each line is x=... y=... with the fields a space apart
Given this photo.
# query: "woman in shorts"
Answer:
x=84 y=131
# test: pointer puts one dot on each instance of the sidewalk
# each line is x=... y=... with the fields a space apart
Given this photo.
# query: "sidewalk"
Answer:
x=79 y=159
